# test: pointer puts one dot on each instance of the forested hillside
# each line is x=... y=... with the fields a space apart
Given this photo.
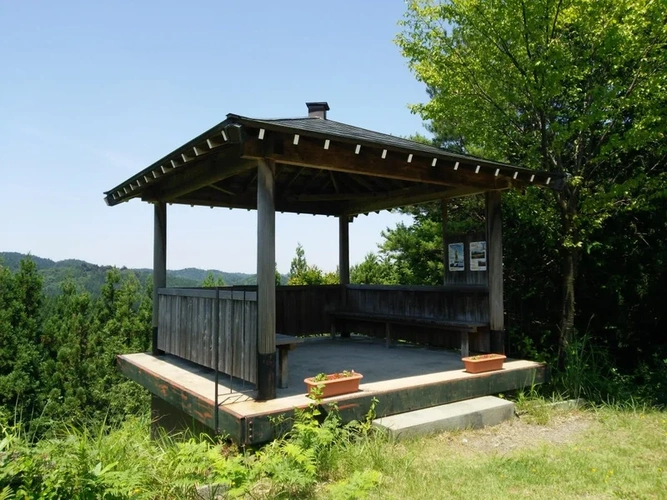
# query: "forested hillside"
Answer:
x=90 y=277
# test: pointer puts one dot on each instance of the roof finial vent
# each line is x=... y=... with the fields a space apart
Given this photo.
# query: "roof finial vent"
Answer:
x=318 y=109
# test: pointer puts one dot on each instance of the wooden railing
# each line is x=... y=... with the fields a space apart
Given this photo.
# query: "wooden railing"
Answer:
x=448 y=302
x=304 y=310
x=190 y=318
x=192 y=322
x=451 y=302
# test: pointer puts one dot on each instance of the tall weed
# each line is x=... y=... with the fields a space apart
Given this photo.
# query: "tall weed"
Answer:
x=590 y=373
x=122 y=461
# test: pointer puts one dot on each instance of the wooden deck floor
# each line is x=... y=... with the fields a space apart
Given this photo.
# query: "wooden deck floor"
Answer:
x=402 y=379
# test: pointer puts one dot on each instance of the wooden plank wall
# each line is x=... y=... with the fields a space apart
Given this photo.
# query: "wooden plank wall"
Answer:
x=455 y=303
x=186 y=329
x=451 y=302
x=304 y=310
x=186 y=318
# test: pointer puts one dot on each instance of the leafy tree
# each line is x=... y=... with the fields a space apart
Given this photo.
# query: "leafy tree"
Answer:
x=211 y=281
x=374 y=270
x=66 y=366
x=576 y=87
x=123 y=325
x=279 y=278
x=20 y=323
x=298 y=266
x=301 y=273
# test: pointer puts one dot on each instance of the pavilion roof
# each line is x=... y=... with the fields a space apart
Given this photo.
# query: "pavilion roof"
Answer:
x=321 y=167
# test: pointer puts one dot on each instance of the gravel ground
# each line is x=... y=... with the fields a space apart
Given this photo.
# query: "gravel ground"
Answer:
x=520 y=432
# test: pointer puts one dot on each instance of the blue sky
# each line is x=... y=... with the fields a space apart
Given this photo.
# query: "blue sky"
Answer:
x=92 y=92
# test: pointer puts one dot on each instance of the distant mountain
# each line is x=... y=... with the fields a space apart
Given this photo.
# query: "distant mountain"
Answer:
x=91 y=276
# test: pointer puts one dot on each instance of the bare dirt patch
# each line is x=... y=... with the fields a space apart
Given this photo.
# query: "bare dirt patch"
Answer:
x=520 y=432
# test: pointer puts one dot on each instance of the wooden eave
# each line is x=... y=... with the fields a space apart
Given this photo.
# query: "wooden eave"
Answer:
x=321 y=167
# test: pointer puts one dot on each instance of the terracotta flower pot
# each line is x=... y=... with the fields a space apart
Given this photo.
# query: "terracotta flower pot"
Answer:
x=484 y=363
x=334 y=385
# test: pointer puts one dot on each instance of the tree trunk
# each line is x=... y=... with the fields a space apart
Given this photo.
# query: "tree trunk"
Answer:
x=570 y=256
x=570 y=253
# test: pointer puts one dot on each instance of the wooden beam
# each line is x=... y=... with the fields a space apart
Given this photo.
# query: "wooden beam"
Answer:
x=312 y=178
x=407 y=197
x=334 y=196
x=333 y=179
x=326 y=204
x=197 y=174
x=222 y=190
x=494 y=258
x=266 y=281
x=362 y=182
x=341 y=157
x=295 y=177
x=382 y=200
x=215 y=199
x=347 y=184
x=253 y=180
x=159 y=265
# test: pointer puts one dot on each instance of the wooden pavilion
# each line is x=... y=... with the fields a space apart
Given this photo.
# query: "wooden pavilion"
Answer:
x=313 y=165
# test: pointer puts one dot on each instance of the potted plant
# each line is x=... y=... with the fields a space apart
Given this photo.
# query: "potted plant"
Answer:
x=484 y=363
x=326 y=385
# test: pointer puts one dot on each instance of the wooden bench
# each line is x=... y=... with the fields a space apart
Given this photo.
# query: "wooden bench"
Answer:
x=284 y=344
x=462 y=327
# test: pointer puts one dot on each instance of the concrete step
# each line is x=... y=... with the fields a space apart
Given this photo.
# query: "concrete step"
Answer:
x=472 y=413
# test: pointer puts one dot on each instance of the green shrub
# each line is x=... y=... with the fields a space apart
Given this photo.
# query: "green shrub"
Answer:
x=122 y=461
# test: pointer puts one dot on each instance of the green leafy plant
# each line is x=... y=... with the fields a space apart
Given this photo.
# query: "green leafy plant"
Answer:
x=485 y=356
x=323 y=377
x=122 y=461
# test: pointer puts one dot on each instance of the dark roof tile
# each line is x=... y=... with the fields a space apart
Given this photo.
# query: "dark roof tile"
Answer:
x=331 y=128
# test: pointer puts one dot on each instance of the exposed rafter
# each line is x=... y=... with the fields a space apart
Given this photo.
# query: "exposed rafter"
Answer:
x=322 y=166
x=341 y=157
x=203 y=174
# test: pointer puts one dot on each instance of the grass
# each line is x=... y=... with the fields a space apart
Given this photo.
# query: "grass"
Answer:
x=619 y=453
x=609 y=452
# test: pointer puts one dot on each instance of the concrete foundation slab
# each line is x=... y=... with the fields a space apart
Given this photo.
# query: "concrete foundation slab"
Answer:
x=402 y=379
x=472 y=413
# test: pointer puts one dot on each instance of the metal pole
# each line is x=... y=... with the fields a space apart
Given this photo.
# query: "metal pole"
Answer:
x=216 y=354
x=243 y=343
x=232 y=337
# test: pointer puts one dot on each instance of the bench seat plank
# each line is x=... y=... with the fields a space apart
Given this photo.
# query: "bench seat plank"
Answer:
x=469 y=326
x=287 y=340
x=462 y=327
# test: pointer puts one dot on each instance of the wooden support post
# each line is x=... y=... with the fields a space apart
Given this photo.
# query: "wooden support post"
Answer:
x=443 y=208
x=159 y=265
x=465 y=345
x=344 y=262
x=387 y=334
x=283 y=367
x=266 y=282
x=494 y=257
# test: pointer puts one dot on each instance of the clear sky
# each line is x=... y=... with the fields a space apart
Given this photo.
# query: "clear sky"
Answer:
x=92 y=92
